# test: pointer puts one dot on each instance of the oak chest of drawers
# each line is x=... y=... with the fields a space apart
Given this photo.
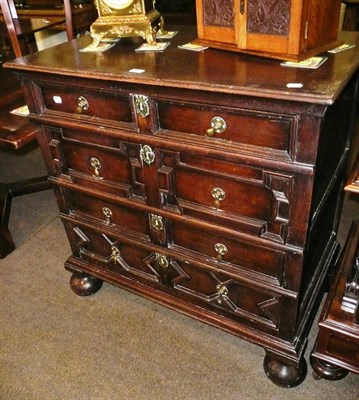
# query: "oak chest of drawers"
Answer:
x=199 y=180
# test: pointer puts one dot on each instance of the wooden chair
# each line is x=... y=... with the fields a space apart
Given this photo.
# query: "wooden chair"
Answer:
x=18 y=131
x=18 y=29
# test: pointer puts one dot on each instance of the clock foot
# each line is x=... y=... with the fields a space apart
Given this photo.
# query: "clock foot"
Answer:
x=284 y=374
x=84 y=285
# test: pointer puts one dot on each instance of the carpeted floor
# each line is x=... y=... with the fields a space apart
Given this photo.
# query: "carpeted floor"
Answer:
x=114 y=345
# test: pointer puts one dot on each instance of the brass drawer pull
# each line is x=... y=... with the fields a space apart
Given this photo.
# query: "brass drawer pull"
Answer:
x=221 y=251
x=218 y=195
x=115 y=255
x=108 y=214
x=147 y=154
x=96 y=165
x=217 y=125
x=222 y=292
x=82 y=105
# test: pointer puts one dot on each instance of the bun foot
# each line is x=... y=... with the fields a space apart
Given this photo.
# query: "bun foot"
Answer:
x=84 y=285
x=283 y=374
x=326 y=370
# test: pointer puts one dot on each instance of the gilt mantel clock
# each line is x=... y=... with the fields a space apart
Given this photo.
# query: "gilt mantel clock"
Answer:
x=283 y=29
x=126 y=18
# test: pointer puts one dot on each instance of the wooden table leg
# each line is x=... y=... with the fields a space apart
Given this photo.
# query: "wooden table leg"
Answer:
x=7 y=192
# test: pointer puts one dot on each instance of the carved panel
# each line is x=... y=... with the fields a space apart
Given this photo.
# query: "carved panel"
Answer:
x=281 y=187
x=126 y=259
x=271 y=17
x=268 y=218
x=218 y=12
x=219 y=291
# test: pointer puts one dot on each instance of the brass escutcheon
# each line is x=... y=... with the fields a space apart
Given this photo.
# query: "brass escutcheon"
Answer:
x=221 y=251
x=95 y=163
x=156 y=222
x=217 y=125
x=108 y=214
x=141 y=105
x=82 y=105
x=162 y=261
x=147 y=154
x=218 y=195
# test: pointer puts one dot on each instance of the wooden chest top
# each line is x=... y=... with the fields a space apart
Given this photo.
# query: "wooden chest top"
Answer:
x=211 y=70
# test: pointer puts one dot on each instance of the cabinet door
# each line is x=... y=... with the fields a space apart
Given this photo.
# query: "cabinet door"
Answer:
x=216 y=20
x=276 y=26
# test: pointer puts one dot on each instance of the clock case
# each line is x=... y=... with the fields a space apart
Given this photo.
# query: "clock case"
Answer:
x=283 y=29
x=139 y=19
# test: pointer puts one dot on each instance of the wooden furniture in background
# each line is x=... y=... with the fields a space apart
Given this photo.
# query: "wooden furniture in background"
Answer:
x=283 y=29
x=19 y=29
x=83 y=15
x=16 y=132
x=351 y=16
x=215 y=194
x=336 y=351
x=181 y=12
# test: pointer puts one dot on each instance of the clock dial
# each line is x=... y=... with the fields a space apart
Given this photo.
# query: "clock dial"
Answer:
x=118 y=4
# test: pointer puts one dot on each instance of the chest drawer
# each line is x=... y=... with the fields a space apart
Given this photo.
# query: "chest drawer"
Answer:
x=251 y=199
x=92 y=105
x=106 y=214
x=210 y=289
x=228 y=126
x=222 y=251
x=225 y=252
x=98 y=162
x=242 y=197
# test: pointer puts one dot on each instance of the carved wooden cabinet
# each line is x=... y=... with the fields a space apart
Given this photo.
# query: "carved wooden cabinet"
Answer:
x=215 y=194
x=287 y=29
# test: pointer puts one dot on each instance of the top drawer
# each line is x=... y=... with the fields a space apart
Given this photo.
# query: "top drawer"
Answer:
x=224 y=126
x=110 y=106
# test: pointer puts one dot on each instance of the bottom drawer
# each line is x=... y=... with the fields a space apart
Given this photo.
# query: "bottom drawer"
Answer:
x=213 y=290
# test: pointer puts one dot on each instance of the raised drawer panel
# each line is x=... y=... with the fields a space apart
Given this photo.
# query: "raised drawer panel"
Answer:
x=238 y=196
x=241 y=197
x=101 y=105
x=214 y=291
x=106 y=213
x=226 y=251
x=233 y=126
x=207 y=246
x=93 y=161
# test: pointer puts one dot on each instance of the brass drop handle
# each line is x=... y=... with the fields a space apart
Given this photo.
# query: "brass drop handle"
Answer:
x=217 y=125
x=221 y=251
x=218 y=195
x=108 y=214
x=96 y=165
x=82 y=105
x=115 y=255
x=222 y=292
